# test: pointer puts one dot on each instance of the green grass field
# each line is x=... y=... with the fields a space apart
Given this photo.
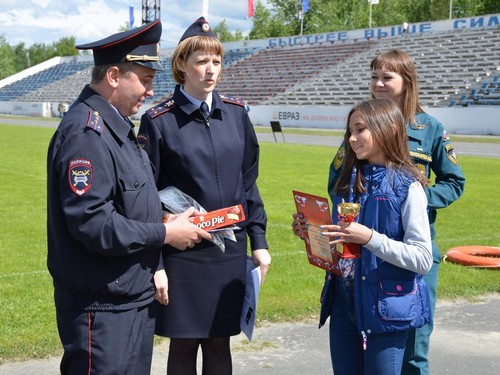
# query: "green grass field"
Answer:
x=292 y=287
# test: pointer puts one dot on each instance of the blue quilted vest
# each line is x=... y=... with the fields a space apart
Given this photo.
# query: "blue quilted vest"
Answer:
x=387 y=297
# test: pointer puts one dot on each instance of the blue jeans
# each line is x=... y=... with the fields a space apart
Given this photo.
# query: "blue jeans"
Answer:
x=384 y=352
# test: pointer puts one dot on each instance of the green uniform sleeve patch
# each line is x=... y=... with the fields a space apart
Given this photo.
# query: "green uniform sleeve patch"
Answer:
x=450 y=153
x=339 y=158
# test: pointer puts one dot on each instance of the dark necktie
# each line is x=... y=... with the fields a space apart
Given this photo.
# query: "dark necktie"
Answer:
x=204 y=111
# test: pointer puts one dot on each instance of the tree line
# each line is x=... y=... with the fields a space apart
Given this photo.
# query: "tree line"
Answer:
x=16 y=58
x=284 y=18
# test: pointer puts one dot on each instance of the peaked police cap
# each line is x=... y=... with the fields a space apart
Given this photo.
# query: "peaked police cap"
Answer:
x=138 y=45
x=200 y=27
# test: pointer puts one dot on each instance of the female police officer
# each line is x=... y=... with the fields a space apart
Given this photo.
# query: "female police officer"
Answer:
x=204 y=144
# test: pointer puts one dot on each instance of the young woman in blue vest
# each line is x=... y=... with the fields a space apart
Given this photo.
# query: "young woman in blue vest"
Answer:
x=378 y=294
x=393 y=76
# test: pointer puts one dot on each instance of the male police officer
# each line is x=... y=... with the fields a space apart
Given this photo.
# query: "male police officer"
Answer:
x=105 y=227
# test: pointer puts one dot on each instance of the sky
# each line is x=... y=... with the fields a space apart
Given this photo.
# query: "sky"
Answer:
x=47 y=21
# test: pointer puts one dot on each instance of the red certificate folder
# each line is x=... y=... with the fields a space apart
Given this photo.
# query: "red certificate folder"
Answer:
x=316 y=211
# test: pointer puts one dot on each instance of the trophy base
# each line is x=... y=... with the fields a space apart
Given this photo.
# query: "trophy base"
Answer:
x=349 y=250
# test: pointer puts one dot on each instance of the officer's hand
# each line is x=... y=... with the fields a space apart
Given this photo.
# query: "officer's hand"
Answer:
x=168 y=217
x=261 y=258
x=181 y=233
x=161 y=284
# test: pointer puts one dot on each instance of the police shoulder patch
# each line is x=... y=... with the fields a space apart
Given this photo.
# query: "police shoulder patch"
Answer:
x=450 y=153
x=80 y=175
x=95 y=122
x=143 y=140
x=161 y=108
x=233 y=100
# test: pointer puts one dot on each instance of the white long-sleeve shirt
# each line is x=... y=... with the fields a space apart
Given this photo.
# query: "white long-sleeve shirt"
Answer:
x=414 y=253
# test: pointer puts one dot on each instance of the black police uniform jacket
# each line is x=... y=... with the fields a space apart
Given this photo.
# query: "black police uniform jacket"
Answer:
x=104 y=213
x=215 y=161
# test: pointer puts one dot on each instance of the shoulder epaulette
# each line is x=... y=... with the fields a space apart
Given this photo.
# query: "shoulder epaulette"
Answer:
x=95 y=122
x=161 y=108
x=233 y=100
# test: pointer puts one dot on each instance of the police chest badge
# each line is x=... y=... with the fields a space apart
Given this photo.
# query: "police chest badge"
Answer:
x=80 y=175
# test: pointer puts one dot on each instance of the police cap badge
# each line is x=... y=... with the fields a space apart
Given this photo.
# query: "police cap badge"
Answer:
x=200 y=27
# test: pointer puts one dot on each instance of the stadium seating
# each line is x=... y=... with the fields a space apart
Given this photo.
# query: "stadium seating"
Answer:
x=460 y=67
x=64 y=81
x=32 y=88
x=164 y=83
x=449 y=64
x=273 y=71
x=486 y=92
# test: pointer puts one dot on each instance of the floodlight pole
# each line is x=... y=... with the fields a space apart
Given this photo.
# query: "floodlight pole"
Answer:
x=301 y=16
x=150 y=10
x=370 y=21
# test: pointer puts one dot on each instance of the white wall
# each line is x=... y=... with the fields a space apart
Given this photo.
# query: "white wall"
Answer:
x=456 y=120
x=34 y=109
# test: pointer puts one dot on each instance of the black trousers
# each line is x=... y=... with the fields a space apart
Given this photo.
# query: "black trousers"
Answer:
x=107 y=342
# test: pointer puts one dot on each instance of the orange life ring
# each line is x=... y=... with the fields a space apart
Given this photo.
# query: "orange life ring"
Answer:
x=474 y=256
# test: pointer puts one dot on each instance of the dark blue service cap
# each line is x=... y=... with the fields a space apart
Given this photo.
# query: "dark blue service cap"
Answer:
x=199 y=27
x=138 y=45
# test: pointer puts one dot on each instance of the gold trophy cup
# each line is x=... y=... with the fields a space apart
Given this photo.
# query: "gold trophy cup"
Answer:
x=348 y=212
